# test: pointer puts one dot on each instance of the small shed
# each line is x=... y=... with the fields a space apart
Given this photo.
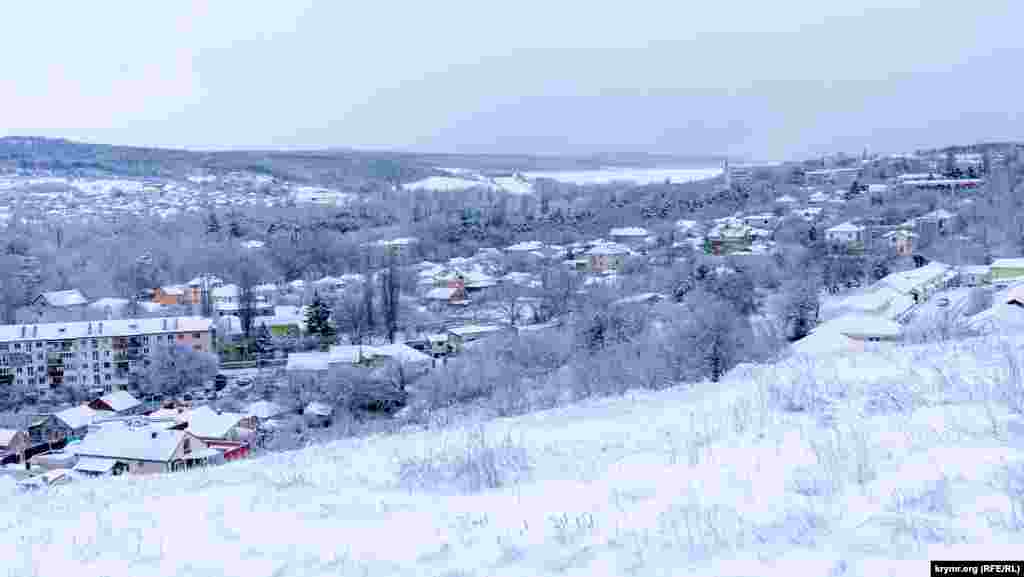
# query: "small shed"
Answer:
x=318 y=414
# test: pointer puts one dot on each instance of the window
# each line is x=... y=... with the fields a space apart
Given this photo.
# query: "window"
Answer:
x=145 y=350
x=17 y=346
x=95 y=355
x=106 y=353
x=39 y=344
x=41 y=381
x=181 y=337
x=196 y=335
x=31 y=370
x=3 y=346
x=106 y=365
x=19 y=370
x=106 y=377
x=96 y=379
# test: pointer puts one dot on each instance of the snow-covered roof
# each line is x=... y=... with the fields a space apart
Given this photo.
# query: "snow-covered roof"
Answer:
x=312 y=361
x=6 y=436
x=77 y=417
x=173 y=290
x=318 y=409
x=65 y=298
x=206 y=423
x=122 y=442
x=120 y=401
x=629 y=231
x=107 y=328
x=113 y=302
x=474 y=330
x=608 y=248
x=95 y=465
x=907 y=281
x=403 y=353
x=526 y=246
x=441 y=293
x=865 y=326
x=846 y=227
x=352 y=354
x=264 y=410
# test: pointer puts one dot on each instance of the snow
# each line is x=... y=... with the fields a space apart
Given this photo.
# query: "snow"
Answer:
x=77 y=417
x=1008 y=263
x=6 y=436
x=120 y=401
x=117 y=441
x=860 y=464
x=66 y=298
x=637 y=175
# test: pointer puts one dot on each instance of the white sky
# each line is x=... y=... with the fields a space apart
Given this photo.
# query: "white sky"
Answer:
x=766 y=80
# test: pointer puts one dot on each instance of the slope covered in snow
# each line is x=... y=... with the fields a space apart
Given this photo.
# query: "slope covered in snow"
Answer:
x=863 y=464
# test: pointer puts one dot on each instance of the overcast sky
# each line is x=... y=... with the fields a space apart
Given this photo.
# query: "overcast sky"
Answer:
x=761 y=80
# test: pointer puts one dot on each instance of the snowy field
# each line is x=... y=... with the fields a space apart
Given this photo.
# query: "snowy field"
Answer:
x=867 y=464
x=637 y=175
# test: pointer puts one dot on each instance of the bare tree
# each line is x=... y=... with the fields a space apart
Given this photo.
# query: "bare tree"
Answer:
x=390 y=295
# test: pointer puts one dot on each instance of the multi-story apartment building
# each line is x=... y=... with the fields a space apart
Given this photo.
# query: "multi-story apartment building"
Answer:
x=98 y=354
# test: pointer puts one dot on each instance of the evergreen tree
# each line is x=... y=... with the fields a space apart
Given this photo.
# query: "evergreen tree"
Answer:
x=318 y=316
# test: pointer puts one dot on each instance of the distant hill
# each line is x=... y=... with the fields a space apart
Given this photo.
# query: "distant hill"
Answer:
x=336 y=167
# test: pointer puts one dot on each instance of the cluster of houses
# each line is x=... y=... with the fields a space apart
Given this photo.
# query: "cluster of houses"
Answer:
x=118 y=434
x=880 y=313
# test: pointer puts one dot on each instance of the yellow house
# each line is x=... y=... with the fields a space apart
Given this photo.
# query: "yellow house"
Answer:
x=1007 y=268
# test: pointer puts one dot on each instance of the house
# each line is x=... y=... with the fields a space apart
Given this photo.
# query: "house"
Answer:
x=728 y=236
x=264 y=410
x=411 y=360
x=120 y=403
x=607 y=257
x=459 y=337
x=13 y=442
x=633 y=236
x=938 y=222
x=208 y=424
x=900 y=241
x=143 y=449
x=451 y=295
x=975 y=275
x=286 y=320
x=847 y=235
x=1004 y=269
x=66 y=305
x=109 y=307
x=67 y=424
x=764 y=221
x=173 y=295
x=318 y=414
x=99 y=467
x=848 y=333
x=921 y=283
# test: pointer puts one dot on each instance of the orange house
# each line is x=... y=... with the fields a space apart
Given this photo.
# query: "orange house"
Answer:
x=177 y=295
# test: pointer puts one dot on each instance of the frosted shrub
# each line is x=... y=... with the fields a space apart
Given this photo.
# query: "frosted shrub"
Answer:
x=478 y=466
x=935 y=498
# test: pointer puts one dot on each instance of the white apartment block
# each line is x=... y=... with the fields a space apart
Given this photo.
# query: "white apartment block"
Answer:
x=93 y=354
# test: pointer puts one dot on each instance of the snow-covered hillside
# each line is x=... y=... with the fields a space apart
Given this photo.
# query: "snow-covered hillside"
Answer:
x=865 y=464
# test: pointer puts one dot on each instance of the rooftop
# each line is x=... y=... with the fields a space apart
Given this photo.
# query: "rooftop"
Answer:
x=108 y=328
